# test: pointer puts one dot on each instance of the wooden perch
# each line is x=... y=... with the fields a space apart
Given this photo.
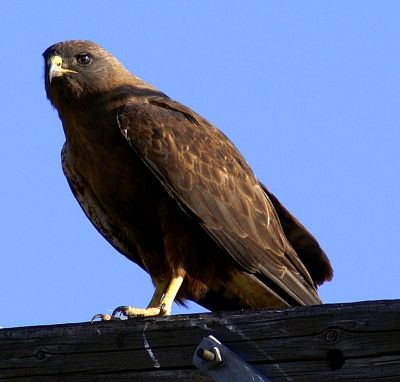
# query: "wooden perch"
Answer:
x=338 y=342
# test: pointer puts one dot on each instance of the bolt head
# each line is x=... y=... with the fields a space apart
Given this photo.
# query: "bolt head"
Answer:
x=212 y=357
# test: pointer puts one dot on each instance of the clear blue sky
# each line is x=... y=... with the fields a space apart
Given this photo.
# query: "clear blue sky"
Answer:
x=309 y=91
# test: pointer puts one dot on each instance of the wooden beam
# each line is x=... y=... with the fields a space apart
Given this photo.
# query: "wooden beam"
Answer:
x=336 y=342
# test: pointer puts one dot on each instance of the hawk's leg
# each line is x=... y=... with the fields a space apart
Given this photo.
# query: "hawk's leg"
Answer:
x=158 y=292
x=161 y=302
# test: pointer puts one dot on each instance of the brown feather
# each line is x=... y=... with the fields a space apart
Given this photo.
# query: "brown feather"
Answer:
x=169 y=190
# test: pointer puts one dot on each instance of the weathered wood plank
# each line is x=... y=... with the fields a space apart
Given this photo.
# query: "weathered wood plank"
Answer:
x=338 y=342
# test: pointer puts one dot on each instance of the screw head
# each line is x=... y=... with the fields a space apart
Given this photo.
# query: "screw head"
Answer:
x=40 y=355
x=331 y=336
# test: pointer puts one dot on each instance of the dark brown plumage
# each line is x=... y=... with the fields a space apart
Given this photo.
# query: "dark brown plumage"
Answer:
x=173 y=194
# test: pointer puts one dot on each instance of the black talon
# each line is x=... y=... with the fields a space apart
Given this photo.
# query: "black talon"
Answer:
x=121 y=310
x=95 y=317
x=163 y=309
x=102 y=318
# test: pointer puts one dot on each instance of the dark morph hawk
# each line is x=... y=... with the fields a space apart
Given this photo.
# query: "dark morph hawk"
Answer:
x=173 y=194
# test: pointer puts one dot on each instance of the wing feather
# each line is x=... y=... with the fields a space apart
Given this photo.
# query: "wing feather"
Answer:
x=205 y=173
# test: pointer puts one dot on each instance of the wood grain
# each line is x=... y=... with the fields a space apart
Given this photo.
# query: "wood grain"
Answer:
x=337 y=342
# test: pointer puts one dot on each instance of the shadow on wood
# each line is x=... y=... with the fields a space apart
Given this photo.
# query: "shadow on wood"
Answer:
x=336 y=342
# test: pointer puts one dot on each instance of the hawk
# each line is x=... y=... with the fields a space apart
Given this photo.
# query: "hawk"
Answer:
x=173 y=194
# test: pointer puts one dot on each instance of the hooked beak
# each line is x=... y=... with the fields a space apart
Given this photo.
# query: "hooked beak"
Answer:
x=56 y=69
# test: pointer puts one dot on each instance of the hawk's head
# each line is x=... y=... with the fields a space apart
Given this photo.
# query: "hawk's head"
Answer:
x=77 y=70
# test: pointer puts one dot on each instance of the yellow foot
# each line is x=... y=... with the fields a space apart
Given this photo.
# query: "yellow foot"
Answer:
x=160 y=304
x=131 y=312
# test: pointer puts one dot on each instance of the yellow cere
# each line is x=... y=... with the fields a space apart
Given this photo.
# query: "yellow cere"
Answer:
x=56 y=64
x=56 y=60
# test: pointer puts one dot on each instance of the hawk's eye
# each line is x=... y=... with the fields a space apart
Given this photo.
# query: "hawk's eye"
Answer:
x=84 y=58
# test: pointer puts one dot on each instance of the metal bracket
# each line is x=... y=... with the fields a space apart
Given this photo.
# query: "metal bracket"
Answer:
x=222 y=365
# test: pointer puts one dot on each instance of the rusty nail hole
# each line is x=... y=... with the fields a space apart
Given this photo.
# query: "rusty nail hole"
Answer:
x=335 y=359
x=40 y=355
